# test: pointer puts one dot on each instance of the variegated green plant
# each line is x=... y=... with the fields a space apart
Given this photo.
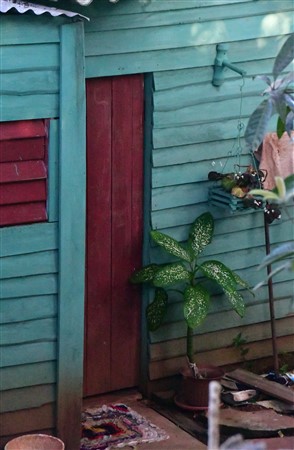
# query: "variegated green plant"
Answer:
x=190 y=274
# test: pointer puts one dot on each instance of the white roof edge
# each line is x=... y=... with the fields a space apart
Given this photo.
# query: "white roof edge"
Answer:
x=22 y=7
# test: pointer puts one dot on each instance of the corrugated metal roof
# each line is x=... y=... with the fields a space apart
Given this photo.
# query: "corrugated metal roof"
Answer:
x=23 y=7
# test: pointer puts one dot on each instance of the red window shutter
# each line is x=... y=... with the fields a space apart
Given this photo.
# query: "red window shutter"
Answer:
x=23 y=172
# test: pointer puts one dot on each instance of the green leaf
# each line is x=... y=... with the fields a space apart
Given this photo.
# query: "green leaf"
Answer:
x=196 y=304
x=281 y=187
x=156 y=310
x=284 y=57
x=267 y=195
x=144 y=275
x=289 y=183
x=236 y=301
x=280 y=127
x=170 y=245
x=171 y=274
x=242 y=282
x=257 y=124
x=217 y=271
x=201 y=233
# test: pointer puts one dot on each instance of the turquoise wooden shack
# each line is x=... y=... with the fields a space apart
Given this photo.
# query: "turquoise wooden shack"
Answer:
x=122 y=124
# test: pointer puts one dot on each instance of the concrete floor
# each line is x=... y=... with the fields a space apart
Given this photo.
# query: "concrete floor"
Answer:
x=178 y=439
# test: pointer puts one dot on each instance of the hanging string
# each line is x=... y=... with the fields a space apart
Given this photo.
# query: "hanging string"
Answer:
x=236 y=150
x=240 y=125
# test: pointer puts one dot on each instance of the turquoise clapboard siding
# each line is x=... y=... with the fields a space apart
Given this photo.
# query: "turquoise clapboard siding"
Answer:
x=192 y=130
x=28 y=317
x=29 y=89
x=176 y=35
x=30 y=46
x=41 y=76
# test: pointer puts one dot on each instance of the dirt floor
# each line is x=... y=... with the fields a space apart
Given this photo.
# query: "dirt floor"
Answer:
x=178 y=439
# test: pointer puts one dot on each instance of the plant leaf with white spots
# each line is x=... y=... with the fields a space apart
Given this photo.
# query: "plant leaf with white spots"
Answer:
x=201 y=233
x=156 y=310
x=196 y=304
x=171 y=274
x=171 y=245
x=144 y=275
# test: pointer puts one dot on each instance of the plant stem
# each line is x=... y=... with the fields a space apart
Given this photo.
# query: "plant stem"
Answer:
x=190 y=350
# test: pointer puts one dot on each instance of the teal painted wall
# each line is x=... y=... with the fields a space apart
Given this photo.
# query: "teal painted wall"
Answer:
x=41 y=363
x=29 y=81
x=193 y=128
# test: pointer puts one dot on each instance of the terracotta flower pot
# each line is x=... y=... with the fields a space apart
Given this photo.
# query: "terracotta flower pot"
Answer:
x=35 y=442
x=194 y=391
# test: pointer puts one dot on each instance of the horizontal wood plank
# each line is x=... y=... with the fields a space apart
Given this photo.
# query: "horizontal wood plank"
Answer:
x=31 y=82
x=171 y=79
x=171 y=218
x=206 y=112
x=22 y=150
x=28 y=397
x=28 y=192
x=37 y=106
x=16 y=355
x=29 y=286
x=19 y=58
x=221 y=339
x=27 y=375
x=172 y=59
x=202 y=94
x=28 y=239
x=175 y=36
x=28 y=420
x=28 y=308
x=30 y=29
x=28 y=331
x=22 y=129
x=23 y=171
x=189 y=13
x=157 y=6
x=223 y=357
x=215 y=152
x=23 y=213
x=29 y=264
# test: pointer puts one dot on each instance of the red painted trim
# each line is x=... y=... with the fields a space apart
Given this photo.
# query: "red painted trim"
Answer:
x=22 y=129
x=23 y=213
x=30 y=191
x=22 y=171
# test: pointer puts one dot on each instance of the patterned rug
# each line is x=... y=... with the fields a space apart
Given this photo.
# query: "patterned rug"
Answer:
x=115 y=426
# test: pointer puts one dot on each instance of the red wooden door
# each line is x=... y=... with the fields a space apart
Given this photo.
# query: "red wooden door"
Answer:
x=114 y=232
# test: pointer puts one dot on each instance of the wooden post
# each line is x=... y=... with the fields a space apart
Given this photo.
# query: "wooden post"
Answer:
x=72 y=205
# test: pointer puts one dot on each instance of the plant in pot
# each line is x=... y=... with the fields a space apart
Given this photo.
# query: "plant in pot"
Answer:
x=191 y=276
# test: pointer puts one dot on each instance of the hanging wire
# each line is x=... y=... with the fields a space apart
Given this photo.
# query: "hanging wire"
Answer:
x=236 y=149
